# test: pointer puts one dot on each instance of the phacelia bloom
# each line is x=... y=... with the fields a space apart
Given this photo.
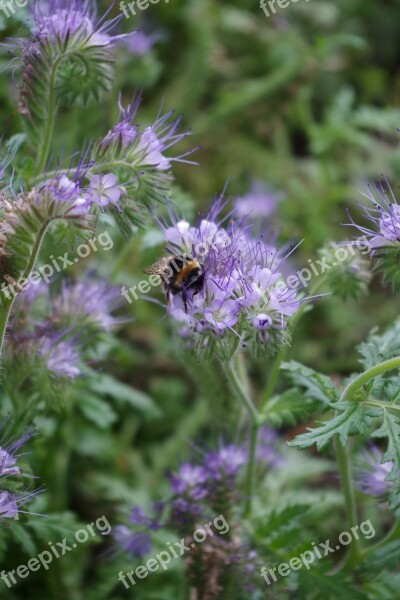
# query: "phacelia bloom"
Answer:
x=140 y=517
x=60 y=21
x=383 y=212
x=140 y=43
x=10 y=501
x=9 y=454
x=190 y=482
x=259 y=203
x=225 y=464
x=104 y=189
x=64 y=189
x=372 y=478
x=267 y=449
x=137 y=544
x=86 y=303
x=141 y=146
x=243 y=297
x=61 y=357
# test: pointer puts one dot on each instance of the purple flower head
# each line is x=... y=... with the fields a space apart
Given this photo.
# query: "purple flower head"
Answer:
x=104 y=189
x=64 y=189
x=140 y=43
x=10 y=503
x=66 y=21
x=137 y=544
x=9 y=454
x=143 y=146
x=61 y=357
x=259 y=203
x=383 y=212
x=243 y=292
x=226 y=464
x=91 y=302
x=267 y=451
x=372 y=478
x=141 y=518
x=190 y=482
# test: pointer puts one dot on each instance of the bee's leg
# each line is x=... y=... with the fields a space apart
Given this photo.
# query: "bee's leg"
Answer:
x=167 y=297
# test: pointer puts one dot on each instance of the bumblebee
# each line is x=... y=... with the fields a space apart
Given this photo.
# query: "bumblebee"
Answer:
x=179 y=274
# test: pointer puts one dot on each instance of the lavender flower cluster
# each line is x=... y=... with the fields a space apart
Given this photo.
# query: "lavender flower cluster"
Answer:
x=244 y=300
x=63 y=324
x=198 y=491
x=11 y=501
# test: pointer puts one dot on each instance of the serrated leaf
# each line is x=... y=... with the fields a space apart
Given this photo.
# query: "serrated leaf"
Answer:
x=290 y=407
x=318 y=386
x=353 y=419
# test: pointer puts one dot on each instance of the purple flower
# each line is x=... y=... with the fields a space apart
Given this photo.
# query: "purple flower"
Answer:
x=225 y=464
x=9 y=456
x=190 y=482
x=90 y=302
x=140 y=43
x=259 y=203
x=139 y=517
x=142 y=146
x=243 y=293
x=61 y=357
x=63 y=189
x=372 y=478
x=137 y=544
x=66 y=21
x=104 y=189
x=383 y=212
x=8 y=505
x=267 y=451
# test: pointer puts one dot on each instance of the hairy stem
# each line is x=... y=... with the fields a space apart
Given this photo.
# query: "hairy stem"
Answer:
x=49 y=127
x=353 y=387
x=349 y=496
x=6 y=306
x=242 y=393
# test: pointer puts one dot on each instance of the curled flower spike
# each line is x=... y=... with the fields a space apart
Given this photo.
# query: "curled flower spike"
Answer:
x=231 y=287
x=67 y=59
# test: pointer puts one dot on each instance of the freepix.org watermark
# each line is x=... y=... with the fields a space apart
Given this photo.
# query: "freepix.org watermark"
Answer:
x=323 y=549
x=139 y=4
x=9 y=7
x=219 y=526
x=57 y=550
x=271 y=7
x=11 y=287
x=300 y=279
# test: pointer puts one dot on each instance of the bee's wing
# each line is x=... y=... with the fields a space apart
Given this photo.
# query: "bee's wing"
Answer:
x=159 y=267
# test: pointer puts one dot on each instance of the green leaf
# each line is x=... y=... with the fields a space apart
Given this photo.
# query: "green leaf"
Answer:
x=318 y=386
x=354 y=418
x=290 y=407
x=21 y=535
x=96 y=410
x=106 y=385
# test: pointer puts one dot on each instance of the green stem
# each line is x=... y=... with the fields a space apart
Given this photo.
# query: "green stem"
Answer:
x=5 y=311
x=274 y=374
x=393 y=534
x=49 y=128
x=5 y=308
x=353 y=387
x=349 y=496
x=255 y=423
